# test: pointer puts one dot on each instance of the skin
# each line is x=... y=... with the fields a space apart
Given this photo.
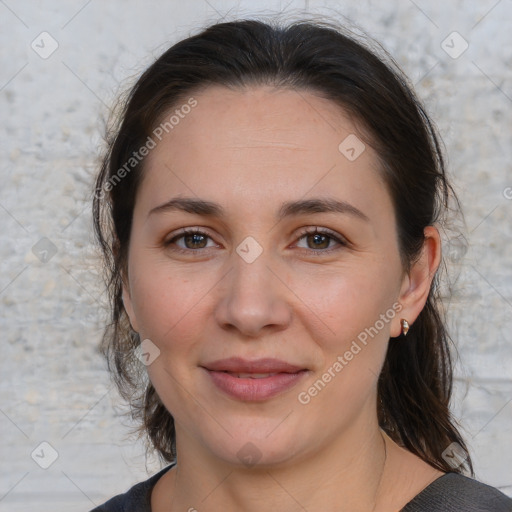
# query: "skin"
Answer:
x=250 y=150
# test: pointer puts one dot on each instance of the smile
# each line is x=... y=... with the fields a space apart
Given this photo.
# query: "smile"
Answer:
x=255 y=387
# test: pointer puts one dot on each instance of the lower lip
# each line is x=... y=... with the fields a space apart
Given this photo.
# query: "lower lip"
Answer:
x=255 y=390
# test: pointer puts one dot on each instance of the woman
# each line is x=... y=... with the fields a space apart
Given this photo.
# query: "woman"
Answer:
x=268 y=210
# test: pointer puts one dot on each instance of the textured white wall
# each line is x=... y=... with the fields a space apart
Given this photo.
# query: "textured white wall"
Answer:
x=53 y=385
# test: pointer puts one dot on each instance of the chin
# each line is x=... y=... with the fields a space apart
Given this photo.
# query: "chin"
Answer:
x=255 y=446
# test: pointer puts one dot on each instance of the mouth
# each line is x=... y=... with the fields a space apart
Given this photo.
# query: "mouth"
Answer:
x=252 y=375
x=263 y=366
x=253 y=381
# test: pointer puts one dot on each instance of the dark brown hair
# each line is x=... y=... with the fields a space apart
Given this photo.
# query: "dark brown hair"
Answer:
x=414 y=387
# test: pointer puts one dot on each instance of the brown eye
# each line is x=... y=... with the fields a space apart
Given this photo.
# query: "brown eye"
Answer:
x=321 y=240
x=189 y=240
x=195 y=241
x=318 y=241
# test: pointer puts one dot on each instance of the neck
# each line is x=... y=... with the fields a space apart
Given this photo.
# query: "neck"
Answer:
x=347 y=472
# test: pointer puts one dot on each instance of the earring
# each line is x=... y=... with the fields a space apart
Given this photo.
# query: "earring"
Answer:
x=405 y=326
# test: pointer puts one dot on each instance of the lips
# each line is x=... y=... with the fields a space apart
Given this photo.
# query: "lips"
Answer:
x=256 y=380
x=258 y=366
x=252 y=375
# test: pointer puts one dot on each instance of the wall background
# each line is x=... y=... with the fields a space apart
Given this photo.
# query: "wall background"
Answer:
x=54 y=387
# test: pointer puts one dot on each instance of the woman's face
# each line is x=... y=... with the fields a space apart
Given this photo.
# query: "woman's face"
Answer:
x=263 y=334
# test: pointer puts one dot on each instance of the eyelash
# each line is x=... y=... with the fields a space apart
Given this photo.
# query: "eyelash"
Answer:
x=342 y=242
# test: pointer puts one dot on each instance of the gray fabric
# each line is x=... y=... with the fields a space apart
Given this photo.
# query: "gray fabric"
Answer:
x=456 y=493
x=449 y=493
x=136 y=499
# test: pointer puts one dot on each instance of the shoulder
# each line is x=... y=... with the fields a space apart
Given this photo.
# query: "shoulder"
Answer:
x=453 y=492
x=136 y=499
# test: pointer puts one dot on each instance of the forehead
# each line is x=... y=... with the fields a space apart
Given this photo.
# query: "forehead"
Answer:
x=260 y=142
x=261 y=117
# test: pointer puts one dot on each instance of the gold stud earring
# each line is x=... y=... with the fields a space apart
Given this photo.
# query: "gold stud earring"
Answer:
x=405 y=326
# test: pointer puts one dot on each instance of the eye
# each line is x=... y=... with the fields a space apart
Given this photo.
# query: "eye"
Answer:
x=320 y=240
x=193 y=239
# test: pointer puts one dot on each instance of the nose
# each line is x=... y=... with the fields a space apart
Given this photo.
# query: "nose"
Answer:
x=254 y=298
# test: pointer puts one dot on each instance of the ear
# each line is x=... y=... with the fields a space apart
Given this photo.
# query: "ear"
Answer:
x=128 y=304
x=417 y=282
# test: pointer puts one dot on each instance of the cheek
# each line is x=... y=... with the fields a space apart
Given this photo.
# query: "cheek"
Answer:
x=358 y=309
x=343 y=302
x=170 y=312
x=165 y=299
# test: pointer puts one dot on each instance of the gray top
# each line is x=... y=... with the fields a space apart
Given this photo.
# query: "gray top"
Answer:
x=449 y=493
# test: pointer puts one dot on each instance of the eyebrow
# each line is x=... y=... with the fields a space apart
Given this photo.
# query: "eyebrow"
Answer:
x=288 y=209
